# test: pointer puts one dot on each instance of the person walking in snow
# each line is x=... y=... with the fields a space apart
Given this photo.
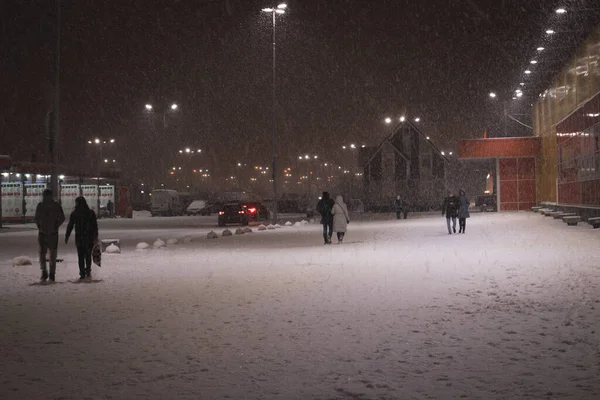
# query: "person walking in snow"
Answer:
x=324 y=207
x=49 y=216
x=110 y=207
x=340 y=218
x=399 y=207
x=450 y=210
x=83 y=219
x=463 y=210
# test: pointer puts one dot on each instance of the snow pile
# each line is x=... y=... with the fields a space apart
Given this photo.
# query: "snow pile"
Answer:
x=113 y=249
x=227 y=232
x=240 y=231
x=261 y=227
x=142 y=214
x=247 y=230
x=277 y=226
x=142 y=246
x=159 y=244
x=187 y=239
x=288 y=223
x=212 y=235
x=21 y=260
x=312 y=221
x=172 y=241
x=298 y=223
x=271 y=227
x=304 y=222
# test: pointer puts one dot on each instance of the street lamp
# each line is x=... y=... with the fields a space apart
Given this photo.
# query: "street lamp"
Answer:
x=388 y=120
x=274 y=11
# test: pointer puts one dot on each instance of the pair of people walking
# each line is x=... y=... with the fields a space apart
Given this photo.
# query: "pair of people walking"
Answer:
x=456 y=207
x=49 y=216
x=334 y=217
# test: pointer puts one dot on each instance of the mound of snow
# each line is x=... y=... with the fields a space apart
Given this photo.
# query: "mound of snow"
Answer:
x=312 y=221
x=298 y=223
x=113 y=249
x=141 y=214
x=158 y=244
x=21 y=260
x=142 y=246
x=271 y=227
x=261 y=227
x=240 y=231
x=212 y=235
x=172 y=241
x=304 y=222
x=247 y=230
x=288 y=223
x=227 y=232
x=187 y=239
x=277 y=226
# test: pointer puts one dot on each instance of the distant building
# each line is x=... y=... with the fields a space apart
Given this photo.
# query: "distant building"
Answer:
x=408 y=164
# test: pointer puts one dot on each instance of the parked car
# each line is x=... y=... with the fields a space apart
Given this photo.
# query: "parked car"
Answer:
x=487 y=202
x=256 y=211
x=213 y=208
x=198 y=207
x=233 y=213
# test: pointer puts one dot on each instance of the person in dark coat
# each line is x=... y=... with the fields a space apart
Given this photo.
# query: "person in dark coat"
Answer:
x=398 y=203
x=450 y=210
x=110 y=207
x=324 y=207
x=83 y=219
x=49 y=216
x=463 y=210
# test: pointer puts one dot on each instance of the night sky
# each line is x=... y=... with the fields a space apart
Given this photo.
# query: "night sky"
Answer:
x=343 y=66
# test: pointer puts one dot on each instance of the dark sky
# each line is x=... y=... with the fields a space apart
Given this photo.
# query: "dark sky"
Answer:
x=343 y=66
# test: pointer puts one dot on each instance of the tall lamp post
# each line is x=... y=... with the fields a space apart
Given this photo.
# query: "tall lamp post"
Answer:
x=172 y=108
x=280 y=9
x=100 y=143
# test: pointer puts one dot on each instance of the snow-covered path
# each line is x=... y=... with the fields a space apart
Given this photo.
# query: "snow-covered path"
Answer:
x=401 y=310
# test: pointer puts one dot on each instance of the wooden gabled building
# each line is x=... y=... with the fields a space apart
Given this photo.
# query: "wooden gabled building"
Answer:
x=405 y=163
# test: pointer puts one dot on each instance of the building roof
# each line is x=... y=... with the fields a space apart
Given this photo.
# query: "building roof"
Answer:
x=394 y=132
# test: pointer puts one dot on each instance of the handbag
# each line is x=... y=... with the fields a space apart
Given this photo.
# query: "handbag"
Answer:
x=97 y=253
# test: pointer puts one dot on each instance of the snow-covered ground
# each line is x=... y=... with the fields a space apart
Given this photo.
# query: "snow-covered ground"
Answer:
x=401 y=310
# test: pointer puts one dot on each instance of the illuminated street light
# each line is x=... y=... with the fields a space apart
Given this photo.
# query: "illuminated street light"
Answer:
x=540 y=48
x=493 y=95
x=388 y=120
x=97 y=141
x=533 y=62
x=427 y=138
x=417 y=119
x=149 y=107
x=561 y=10
x=549 y=31
x=527 y=71
x=443 y=153
x=522 y=83
x=402 y=119
x=174 y=106
x=352 y=146
x=187 y=150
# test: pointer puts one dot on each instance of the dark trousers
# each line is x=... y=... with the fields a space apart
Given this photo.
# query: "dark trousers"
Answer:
x=327 y=231
x=48 y=242
x=398 y=214
x=340 y=236
x=462 y=223
x=84 y=254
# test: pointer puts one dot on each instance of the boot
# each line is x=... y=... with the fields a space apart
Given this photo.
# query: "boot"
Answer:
x=51 y=277
x=44 y=275
x=88 y=274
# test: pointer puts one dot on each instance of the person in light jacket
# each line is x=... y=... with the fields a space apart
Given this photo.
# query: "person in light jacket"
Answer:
x=340 y=218
x=463 y=210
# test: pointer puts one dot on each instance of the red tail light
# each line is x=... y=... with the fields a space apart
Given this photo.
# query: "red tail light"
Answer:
x=241 y=212
x=252 y=210
x=221 y=212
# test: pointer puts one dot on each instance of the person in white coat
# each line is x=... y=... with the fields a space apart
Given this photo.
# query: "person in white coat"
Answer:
x=340 y=218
